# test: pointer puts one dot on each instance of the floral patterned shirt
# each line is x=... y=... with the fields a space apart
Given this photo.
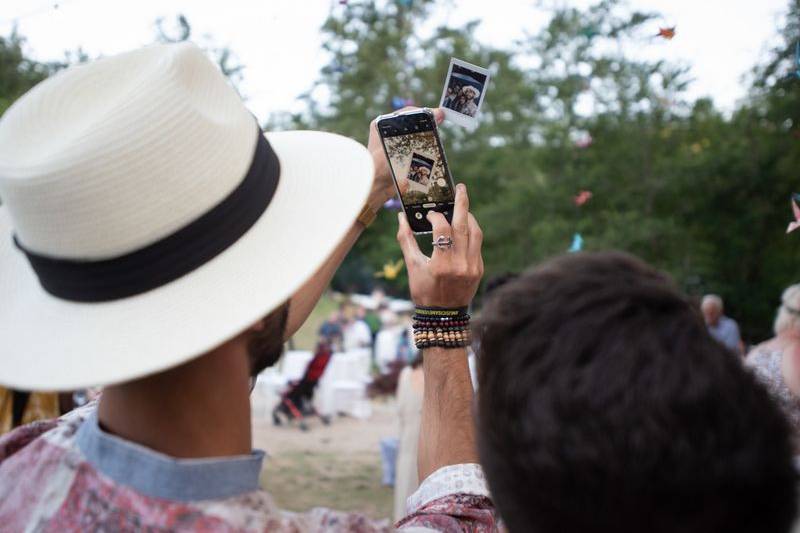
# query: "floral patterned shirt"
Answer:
x=69 y=475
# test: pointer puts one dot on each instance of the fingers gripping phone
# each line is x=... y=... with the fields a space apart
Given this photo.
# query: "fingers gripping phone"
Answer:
x=419 y=168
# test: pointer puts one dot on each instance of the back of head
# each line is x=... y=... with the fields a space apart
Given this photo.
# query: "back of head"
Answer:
x=788 y=317
x=604 y=405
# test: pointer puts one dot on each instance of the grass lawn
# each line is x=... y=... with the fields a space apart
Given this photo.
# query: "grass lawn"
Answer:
x=301 y=480
x=306 y=336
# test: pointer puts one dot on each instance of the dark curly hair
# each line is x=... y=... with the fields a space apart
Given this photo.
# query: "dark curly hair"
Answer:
x=604 y=406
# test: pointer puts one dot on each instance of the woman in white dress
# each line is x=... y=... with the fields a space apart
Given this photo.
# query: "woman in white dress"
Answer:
x=776 y=362
x=410 y=387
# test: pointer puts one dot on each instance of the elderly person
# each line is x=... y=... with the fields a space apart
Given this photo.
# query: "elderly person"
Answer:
x=775 y=362
x=724 y=329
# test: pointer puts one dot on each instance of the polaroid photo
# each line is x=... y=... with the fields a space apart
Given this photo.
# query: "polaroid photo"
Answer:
x=420 y=173
x=463 y=93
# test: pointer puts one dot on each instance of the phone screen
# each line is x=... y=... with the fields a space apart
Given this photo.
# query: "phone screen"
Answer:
x=418 y=165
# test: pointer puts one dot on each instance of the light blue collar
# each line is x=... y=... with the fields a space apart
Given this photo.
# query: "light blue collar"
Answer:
x=161 y=476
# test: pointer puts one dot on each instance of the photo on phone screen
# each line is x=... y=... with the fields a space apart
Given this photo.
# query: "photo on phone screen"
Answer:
x=419 y=167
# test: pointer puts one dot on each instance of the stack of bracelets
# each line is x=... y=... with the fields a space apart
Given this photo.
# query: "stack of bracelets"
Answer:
x=441 y=328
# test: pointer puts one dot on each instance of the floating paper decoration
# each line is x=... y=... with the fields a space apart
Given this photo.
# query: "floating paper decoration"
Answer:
x=399 y=103
x=577 y=243
x=590 y=32
x=584 y=142
x=582 y=197
x=390 y=270
x=797 y=59
x=392 y=203
x=796 y=211
x=666 y=33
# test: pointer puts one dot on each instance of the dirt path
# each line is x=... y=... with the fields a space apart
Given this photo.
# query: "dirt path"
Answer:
x=335 y=466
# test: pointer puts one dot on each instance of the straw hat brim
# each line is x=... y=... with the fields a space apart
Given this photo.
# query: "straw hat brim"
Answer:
x=52 y=344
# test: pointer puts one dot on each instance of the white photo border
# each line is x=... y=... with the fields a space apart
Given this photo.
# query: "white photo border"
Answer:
x=454 y=116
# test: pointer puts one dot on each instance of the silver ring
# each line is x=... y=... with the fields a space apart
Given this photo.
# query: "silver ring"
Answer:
x=443 y=242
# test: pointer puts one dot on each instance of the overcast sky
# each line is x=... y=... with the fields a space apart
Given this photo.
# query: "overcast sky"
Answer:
x=279 y=42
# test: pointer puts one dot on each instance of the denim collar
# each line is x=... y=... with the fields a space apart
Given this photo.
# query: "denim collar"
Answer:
x=160 y=476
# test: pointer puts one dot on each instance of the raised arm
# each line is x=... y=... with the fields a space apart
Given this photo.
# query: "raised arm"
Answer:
x=453 y=495
x=383 y=188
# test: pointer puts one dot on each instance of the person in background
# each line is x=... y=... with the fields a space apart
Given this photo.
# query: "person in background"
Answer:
x=18 y=408
x=605 y=406
x=776 y=362
x=410 y=387
x=330 y=331
x=356 y=333
x=372 y=318
x=724 y=329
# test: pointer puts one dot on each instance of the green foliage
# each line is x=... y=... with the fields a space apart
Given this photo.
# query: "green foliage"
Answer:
x=18 y=73
x=699 y=194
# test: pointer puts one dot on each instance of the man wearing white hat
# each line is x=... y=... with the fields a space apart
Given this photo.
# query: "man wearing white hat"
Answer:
x=154 y=241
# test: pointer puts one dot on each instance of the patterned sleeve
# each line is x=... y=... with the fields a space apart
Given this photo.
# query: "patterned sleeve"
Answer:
x=452 y=499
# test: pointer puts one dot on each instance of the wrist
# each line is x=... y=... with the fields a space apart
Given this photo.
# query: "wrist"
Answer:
x=438 y=327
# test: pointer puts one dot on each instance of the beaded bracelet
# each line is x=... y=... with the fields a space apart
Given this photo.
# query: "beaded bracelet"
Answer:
x=444 y=328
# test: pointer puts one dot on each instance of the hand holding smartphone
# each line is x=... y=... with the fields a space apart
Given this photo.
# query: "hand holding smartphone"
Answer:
x=418 y=165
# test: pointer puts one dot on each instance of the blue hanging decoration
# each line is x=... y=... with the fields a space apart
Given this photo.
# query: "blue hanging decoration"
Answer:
x=797 y=60
x=398 y=102
x=406 y=3
x=577 y=243
x=393 y=204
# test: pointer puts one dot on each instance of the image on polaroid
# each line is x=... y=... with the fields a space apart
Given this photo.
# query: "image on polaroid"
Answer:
x=464 y=92
x=417 y=158
x=420 y=173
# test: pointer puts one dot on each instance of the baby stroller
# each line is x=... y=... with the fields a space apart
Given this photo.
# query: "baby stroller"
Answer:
x=296 y=401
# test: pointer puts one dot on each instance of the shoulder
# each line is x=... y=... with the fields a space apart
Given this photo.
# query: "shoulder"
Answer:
x=729 y=323
x=58 y=431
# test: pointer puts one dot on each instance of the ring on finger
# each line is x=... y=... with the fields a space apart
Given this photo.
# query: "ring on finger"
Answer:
x=443 y=242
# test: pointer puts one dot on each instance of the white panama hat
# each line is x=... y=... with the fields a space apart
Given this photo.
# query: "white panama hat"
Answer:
x=146 y=219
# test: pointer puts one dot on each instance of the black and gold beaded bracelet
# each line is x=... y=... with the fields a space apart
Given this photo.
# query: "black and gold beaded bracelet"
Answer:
x=441 y=327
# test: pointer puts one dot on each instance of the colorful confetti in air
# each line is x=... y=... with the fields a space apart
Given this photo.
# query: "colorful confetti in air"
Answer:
x=390 y=270
x=797 y=59
x=393 y=204
x=590 y=32
x=582 y=197
x=666 y=33
x=399 y=103
x=577 y=243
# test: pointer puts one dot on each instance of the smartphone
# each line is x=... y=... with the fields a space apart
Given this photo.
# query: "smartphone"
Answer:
x=419 y=168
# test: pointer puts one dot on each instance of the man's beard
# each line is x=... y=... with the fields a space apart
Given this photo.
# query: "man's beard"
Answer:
x=266 y=346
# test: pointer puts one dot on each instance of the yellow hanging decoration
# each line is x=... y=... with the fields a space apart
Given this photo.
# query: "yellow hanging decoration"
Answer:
x=390 y=270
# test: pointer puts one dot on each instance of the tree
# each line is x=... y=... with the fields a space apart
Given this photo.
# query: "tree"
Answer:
x=696 y=193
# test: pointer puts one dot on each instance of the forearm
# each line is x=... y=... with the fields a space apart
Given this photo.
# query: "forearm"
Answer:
x=304 y=300
x=447 y=430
